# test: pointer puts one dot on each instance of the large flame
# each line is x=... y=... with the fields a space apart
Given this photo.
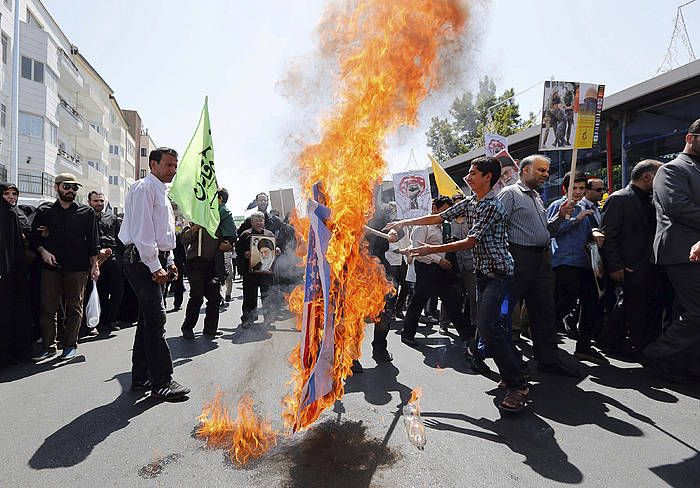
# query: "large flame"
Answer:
x=388 y=55
x=246 y=437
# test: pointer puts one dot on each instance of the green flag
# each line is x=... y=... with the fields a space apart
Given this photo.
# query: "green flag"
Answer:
x=194 y=188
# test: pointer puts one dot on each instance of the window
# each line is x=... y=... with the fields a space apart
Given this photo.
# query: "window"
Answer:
x=143 y=173
x=144 y=152
x=32 y=70
x=3 y=115
x=114 y=180
x=53 y=134
x=31 y=125
x=114 y=149
x=5 y=47
x=130 y=149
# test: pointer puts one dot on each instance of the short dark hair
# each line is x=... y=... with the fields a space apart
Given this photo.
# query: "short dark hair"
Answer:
x=442 y=200
x=93 y=192
x=579 y=177
x=263 y=194
x=157 y=154
x=694 y=127
x=486 y=164
x=644 y=167
x=223 y=194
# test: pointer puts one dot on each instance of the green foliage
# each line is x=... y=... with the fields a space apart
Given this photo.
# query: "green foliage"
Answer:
x=470 y=117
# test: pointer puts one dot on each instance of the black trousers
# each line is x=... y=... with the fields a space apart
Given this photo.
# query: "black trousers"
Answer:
x=578 y=284
x=678 y=347
x=534 y=282
x=151 y=355
x=382 y=327
x=110 y=288
x=251 y=284
x=432 y=280
x=203 y=283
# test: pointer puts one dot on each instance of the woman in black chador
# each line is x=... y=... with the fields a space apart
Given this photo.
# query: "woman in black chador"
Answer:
x=15 y=329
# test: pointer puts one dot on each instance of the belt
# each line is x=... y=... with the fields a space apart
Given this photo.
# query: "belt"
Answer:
x=539 y=249
x=131 y=253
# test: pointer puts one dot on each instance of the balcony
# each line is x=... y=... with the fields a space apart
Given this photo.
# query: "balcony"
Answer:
x=36 y=183
x=90 y=140
x=70 y=75
x=90 y=98
x=69 y=158
x=69 y=119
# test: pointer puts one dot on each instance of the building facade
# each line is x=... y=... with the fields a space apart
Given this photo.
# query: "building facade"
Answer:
x=69 y=119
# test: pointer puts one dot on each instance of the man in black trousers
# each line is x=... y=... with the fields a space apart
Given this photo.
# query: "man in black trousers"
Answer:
x=676 y=354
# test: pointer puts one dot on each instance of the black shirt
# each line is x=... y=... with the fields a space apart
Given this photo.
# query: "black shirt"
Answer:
x=73 y=235
x=108 y=229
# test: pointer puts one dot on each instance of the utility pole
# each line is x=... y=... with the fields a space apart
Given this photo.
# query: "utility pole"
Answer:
x=14 y=169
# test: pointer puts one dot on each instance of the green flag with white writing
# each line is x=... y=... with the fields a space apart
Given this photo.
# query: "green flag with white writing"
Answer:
x=194 y=188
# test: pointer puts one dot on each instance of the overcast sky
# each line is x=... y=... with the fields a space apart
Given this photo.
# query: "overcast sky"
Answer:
x=161 y=57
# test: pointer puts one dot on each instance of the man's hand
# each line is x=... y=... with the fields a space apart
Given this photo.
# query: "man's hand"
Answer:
x=619 y=275
x=194 y=227
x=173 y=273
x=445 y=264
x=583 y=214
x=599 y=238
x=393 y=235
x=43 y=230
x=393 y=226
x=695 y=253
x=422 y=250
x=566 y=208
x=48 y=258
x=95 y=271
x=103 y=255
x=160 y=276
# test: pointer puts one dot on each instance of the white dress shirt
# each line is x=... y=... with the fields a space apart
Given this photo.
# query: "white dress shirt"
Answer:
x=149 y=222
x=428 y=234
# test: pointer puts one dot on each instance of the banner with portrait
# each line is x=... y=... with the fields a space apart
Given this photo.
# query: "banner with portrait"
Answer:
x=494 y=143
x=412 y=193
x=262 y=253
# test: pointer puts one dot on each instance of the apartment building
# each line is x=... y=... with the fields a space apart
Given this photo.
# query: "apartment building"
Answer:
x=69 y=118
x=147 y=145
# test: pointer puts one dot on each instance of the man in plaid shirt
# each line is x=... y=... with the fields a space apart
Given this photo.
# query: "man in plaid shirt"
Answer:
x=493 y=265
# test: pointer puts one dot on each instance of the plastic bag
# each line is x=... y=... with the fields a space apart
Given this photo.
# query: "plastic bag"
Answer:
x=92 y=309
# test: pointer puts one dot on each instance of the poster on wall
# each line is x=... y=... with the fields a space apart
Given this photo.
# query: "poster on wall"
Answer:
x=262 y=253
x=412 y=193
x=570 y=115
x=494 y=143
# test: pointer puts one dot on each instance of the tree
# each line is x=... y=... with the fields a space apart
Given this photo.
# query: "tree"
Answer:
x=471 y=116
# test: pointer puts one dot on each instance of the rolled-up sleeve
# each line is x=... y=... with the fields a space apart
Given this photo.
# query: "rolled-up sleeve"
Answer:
x=143 y=229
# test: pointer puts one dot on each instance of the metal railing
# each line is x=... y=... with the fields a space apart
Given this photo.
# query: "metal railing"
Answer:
x=38 y=184
x=70 y=109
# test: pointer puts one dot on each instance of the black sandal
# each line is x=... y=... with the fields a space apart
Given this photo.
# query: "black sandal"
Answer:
x=514 y=401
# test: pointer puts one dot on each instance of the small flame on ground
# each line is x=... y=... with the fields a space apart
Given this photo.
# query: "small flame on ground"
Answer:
x=416 y=395
x=246 y=437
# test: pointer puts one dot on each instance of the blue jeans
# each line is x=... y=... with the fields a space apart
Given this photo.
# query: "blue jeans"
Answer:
x=490 y=294
x=151 y=355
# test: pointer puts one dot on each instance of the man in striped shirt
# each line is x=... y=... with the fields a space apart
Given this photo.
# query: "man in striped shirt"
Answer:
x=529 y=233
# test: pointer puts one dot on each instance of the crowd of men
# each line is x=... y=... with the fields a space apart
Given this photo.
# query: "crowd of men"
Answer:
x=620 y=279
x=55 y=254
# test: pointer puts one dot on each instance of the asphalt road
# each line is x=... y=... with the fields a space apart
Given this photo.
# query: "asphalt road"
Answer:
x=77 y=423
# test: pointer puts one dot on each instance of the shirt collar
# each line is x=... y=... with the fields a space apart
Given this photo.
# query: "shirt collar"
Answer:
x=587 y=203
x=526 y=188
x=155 y=181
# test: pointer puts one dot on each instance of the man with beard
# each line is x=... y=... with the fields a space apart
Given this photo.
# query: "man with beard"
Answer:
x=110 y=286
x=69 y=253
x=262 y=201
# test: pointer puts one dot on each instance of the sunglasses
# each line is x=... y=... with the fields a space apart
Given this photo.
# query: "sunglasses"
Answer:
x=598 y=189
x=71 y=186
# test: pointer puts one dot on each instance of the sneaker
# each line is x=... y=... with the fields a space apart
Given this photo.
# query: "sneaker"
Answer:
x=69 y=353
x=141 y=385
x=44 y=355
x=187 y=334
x=382 y=356
x=170 y=391
x=591 y=355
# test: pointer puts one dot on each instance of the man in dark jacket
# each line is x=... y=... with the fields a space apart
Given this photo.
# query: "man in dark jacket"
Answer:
x=676 y=354
x=629 y=225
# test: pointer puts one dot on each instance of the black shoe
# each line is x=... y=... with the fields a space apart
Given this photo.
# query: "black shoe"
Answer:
x=560 y=369
x=187 y=334
x=591 y=355
x=141 y=385
x=171 y=391
x=228 y=298
x=409 y=341
x=356 y=367
x=382 y=356
x=428 y=320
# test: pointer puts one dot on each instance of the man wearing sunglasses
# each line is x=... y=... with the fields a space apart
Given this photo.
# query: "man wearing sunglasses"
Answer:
x=65 y=236
x=676 y=354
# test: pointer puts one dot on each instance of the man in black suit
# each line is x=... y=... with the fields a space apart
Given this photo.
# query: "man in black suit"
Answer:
x=676 y=354
x=629 y=225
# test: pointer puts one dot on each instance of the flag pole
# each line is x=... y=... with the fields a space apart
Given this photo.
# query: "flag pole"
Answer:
x=199 y=245
x=572 y=173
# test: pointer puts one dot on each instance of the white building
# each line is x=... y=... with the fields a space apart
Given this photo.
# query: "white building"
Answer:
x=147 y=145
x=69 y=119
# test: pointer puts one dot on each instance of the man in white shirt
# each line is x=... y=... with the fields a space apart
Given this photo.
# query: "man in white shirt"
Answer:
x=432 y=278
x=148 y=232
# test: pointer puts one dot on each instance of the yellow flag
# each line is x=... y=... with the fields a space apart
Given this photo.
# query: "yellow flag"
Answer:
x=446 y=185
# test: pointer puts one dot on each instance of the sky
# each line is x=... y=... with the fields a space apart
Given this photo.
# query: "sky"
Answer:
x=162 y=57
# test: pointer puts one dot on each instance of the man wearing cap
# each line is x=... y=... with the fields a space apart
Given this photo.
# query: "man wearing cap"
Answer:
x=65 y=236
